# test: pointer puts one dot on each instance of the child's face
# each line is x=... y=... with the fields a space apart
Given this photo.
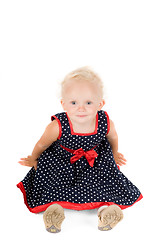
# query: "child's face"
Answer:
x=81 y=101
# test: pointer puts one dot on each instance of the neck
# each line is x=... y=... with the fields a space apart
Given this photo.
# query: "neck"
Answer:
x=86 y=127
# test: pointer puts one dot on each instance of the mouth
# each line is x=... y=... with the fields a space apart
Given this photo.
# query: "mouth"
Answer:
x=81 y=116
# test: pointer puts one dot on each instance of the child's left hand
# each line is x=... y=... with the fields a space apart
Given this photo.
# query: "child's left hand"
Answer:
x=119 y=159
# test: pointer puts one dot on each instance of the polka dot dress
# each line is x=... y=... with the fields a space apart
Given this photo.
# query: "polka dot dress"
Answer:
x=92 y=180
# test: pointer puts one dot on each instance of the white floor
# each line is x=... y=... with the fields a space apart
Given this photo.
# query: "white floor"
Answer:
x=21 y=224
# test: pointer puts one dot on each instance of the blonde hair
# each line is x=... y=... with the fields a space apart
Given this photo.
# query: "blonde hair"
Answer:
x=83 y=73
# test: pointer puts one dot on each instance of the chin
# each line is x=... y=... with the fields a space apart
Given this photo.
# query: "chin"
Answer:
x=84 y=118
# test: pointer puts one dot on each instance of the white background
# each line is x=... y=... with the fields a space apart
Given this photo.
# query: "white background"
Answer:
x=40 y=42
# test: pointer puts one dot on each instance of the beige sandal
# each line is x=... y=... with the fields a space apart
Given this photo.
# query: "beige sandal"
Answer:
x=109 y=217
x=53 y=218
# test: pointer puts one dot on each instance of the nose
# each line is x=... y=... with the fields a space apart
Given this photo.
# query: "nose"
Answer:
x=81 y=108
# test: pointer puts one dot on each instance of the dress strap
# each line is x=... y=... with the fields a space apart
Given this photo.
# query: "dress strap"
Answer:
x=108 y=122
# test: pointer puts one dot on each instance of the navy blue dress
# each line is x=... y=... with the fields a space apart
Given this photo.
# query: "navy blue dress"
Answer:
x=78 y=171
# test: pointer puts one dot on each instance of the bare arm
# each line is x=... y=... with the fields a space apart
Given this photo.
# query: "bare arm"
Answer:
x=113 y=140
x=49 y=136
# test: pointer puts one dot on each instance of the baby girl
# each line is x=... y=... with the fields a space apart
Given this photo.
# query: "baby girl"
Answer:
x=75 y=162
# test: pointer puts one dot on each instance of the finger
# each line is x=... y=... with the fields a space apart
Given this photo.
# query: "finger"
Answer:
x=25 y=158
x=22 y=163
x=35 y=168
x=121 y=154
x=120 y=164
x=123 y=159
x=123 y=162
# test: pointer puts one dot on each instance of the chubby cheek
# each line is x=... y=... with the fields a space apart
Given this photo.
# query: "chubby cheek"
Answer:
x=67 y=108
x=71 y=111
x=92 y=110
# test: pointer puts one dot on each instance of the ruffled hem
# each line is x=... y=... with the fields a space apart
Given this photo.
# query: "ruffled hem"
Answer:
x=70 y=205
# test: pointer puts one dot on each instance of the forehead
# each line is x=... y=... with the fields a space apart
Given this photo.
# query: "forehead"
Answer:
x=81 y=88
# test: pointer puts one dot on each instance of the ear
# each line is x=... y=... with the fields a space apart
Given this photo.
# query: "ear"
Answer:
x=62 y=103
x=101 y=104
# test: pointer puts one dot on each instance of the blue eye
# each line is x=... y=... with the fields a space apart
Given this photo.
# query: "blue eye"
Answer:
x=73 y=102
x=89 y=103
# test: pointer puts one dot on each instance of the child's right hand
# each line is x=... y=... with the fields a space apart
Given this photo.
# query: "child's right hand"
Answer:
x=29 y=162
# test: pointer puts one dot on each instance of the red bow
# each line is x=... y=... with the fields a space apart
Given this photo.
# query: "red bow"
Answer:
x=89 y=155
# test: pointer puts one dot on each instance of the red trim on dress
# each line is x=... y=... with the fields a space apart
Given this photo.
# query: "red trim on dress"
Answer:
x=108 y=122
x=59 y=123
x=69 y=205
x=83 y=134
